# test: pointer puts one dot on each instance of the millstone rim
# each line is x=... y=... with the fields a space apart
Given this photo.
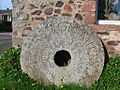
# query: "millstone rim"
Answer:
x=63 y=39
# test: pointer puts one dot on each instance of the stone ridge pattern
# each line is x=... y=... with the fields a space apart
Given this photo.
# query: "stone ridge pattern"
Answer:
x=27 y=14
x=63 y=33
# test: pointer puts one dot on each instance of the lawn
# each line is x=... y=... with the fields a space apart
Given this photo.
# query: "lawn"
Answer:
x=12 y=78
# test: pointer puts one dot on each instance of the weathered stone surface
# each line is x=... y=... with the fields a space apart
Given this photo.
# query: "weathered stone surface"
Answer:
x=90 y=18
x=89 y=6
x=18 y=41
x=48 y=11
x=19 y=16
x=28 y=28
x=46 y=43
x=115 y=43
x=78 y=16
x=37 y=12
x=51 y=3
x=16 y=2
x=31 y=6
x=48 y=17
x=103 y=33
x=70 y=1
x=66 y=14
x=59 y=4
x=58 y=11
x=42 y=6
x=39 y=18
x=86 y=8
x=21 y=6
x=55 y=15
x=67 y=8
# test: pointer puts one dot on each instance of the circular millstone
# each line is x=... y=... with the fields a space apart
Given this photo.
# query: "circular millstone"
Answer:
x=63 y=50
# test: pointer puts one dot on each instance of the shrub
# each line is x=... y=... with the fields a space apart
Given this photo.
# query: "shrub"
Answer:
x=9 y=62
x=110 y=78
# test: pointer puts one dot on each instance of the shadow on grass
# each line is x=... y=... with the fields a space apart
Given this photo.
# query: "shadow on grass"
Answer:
x=106 y=55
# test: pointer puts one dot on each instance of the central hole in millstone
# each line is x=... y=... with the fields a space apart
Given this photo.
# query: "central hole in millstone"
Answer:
x=62 y=58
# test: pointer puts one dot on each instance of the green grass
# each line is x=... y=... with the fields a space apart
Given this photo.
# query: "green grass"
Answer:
x=12 y=78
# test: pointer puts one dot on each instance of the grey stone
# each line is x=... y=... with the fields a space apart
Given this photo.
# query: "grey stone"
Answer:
x=58 y=11
x=18 y=24
x=59 y=4
x=21 y=6
x=42 y=5
x=15 y=33
x=17 y=3
x=48 y=11
x=19 y=16
x=17 y=41
x=70 y=1
x=51 y=3
x=35 y=1
x=36 y=12
x=31 y=6
x=39 y=18
x=74 y=41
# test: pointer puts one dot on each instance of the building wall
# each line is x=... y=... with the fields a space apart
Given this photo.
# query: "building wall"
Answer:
x=0 y=17
x=28 y=14
x=7 y=16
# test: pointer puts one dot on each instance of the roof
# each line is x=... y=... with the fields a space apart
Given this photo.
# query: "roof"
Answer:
x=5 y=11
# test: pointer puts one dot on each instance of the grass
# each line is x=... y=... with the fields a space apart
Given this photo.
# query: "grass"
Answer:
x=12 y=78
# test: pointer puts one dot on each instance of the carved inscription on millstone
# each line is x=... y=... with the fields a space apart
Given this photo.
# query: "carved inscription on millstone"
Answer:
x=63 y=34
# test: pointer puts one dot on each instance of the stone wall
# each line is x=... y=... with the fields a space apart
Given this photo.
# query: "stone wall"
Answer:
x=29 y=13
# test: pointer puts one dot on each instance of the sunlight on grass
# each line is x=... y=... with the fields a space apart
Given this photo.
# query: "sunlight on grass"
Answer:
x=12 y=78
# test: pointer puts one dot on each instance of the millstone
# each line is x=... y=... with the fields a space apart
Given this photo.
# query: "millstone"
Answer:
x=63 y=50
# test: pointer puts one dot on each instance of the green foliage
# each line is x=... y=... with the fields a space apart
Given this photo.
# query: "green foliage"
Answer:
x=11 y=76
x=9 y=62
x=110 y=78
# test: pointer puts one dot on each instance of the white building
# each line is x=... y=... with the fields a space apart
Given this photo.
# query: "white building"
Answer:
x=6 y=15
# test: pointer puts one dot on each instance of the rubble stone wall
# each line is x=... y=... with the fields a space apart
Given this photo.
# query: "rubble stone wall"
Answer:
x=27 y=14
